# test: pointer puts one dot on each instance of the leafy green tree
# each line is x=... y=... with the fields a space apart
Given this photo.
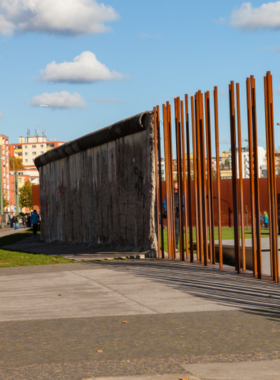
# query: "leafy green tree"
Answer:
x=25 y=196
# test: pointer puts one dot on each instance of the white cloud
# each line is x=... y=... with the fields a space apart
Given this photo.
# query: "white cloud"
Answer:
x=267 y=16
x=55 y=16
x=62 y=100
x=84 y=69
x=1 y=115
x=108 y=100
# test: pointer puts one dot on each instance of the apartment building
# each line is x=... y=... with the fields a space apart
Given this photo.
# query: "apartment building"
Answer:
x=30 y=147
x=4 y=145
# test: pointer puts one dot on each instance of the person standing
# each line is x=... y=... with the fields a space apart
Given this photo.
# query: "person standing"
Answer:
x=15 y=221
x=265 y=220
x=176 y=211
x=35 y=220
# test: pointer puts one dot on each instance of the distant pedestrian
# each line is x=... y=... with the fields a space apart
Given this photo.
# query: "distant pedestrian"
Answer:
x=266 y=221
x=35 y=221
x=15 y=221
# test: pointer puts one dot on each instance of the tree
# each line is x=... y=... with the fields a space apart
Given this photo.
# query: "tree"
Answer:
x=6 y=203
x=25 y=196
x=18 y=163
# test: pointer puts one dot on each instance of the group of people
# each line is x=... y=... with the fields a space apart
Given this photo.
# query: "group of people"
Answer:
x=27 y=221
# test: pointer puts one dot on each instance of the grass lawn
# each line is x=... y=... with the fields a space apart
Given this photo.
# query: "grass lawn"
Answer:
x=227 y=234
x=17 y=259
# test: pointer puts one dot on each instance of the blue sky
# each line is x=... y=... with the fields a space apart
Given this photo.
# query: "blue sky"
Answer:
x=96 y=64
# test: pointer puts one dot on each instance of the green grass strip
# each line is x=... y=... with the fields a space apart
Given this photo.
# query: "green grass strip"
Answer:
x=17 y=258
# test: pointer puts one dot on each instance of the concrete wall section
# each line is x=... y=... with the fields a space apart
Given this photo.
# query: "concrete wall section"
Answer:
x=103 y=195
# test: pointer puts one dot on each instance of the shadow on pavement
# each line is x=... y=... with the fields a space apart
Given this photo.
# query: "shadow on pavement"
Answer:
x=224 y=287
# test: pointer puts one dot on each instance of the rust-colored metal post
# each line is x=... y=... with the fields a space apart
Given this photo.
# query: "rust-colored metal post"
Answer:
x=267 y=117
x=189 y=178
x=195 y=177
x=252 y=184
x=210 y=177
x=241 y=201
x=172 y=216
x=184 y=178
x=256 y=177
x=179 y=174
x=219 y=208
x=157 y=170
x=271 y=163
x=234 y=176
x=167 y=179
x=203 y=179
x=160 y=184
x=199 y=175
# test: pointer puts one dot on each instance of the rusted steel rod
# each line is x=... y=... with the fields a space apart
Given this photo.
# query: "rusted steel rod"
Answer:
x=167 y=177
x=157 y=170
x=171 y=213
x=256 y=176
x=189 y=178
x=240 y=161
x=199 y=182
x=234 y=176
x=267 y=117
x=210 y=177
x=160 y=184
x=252 y=183
x=219 y=208
x=195 y=176
x=203 y=179
x=179 y=174
x=184 y=178
x=273 y=195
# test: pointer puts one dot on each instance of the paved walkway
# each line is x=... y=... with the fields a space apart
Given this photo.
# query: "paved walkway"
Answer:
x=137 y=319
x=9 y=231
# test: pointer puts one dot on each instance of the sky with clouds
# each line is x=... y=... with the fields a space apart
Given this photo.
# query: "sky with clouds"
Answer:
x=93 y=63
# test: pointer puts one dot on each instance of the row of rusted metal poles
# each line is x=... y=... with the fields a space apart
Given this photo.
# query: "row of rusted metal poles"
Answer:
x=199 y=198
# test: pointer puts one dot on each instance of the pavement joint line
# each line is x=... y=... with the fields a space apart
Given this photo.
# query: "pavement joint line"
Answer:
x=122 y=295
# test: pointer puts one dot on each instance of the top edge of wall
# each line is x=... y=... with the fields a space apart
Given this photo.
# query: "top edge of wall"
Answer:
x=113 y=132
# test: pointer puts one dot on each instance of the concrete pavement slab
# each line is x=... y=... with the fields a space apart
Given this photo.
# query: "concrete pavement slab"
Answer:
x=262 y=370
x=93 y=293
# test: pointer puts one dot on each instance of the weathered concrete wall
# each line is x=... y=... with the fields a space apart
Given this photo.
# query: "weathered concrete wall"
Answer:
x=103 y=195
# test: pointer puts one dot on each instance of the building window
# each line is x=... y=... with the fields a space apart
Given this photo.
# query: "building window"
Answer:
x=33 y=146
x=42 y=146
x=19 y=180
x=41 y=152
x=26 y=153
x=50 y=145
x=26 y=160
x=33 y=153
x=26 y=146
